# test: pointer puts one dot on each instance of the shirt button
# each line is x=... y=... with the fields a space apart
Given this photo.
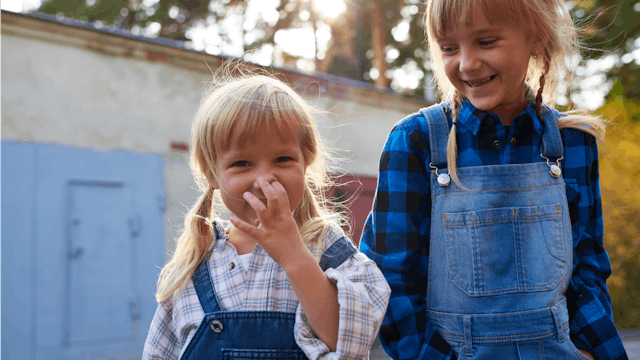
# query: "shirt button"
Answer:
x=496 y=144
x=513 y=141
x=489 y=121
x=231 y=265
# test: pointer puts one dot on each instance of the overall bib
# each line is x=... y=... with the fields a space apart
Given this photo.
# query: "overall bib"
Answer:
x=250 y=334
x=501 y=253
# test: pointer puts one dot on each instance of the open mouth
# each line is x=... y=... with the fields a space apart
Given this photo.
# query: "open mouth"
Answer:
x=480 y=82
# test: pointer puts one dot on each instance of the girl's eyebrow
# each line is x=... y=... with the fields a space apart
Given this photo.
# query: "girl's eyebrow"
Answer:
x=485 y=31
x=477 y=32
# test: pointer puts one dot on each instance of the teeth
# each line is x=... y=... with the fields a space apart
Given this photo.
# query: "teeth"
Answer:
x=480 y=83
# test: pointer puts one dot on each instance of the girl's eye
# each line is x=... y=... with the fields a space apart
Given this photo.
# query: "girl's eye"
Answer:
x=283 y=159
x=448 y=49
x=487 y=42
x=240 y=163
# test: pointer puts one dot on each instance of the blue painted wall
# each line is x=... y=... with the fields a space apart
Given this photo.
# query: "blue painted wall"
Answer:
x=82 y=244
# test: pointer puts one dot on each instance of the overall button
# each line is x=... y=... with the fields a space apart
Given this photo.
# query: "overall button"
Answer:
x=231 y=266
x=513 y=141
x=497 y=144
x=216 y=326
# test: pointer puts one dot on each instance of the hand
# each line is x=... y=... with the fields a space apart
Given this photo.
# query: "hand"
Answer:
x=587 y=354
x=275 y=229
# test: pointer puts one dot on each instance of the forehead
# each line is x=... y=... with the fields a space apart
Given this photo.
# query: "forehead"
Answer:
x=478 y=25
x=446 y=16
x=286 y=133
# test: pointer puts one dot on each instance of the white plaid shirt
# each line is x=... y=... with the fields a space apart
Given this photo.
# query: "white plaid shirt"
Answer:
x=363 y=294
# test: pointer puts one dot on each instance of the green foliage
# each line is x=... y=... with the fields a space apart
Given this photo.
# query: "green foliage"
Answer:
x=619 y=179
x=174 y=16
x=611 y=26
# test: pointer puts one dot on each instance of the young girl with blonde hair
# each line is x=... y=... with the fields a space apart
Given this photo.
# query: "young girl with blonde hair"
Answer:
x=282 y=281
x=487 y=221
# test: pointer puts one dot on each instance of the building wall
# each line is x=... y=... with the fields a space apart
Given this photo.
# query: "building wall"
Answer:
x=74 y=85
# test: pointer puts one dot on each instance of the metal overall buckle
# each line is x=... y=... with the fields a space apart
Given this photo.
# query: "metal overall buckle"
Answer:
x=443 y=179
x=554 y=169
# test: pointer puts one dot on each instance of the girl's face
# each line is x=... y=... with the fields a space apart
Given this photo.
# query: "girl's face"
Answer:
x=266 y=154
x=488 y=64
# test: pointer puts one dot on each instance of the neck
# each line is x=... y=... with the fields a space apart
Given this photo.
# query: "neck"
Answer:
x=510 y=112
x=242 y=241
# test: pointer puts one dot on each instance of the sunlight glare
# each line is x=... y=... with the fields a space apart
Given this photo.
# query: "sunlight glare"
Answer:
x=331 y=8
x=296 y=42
x=20 y=5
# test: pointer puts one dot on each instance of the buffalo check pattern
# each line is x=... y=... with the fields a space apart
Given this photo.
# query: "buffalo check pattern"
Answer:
x=396 y=234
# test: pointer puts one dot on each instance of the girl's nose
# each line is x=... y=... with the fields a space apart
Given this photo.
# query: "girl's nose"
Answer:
x=469 y=61
x=268 y=177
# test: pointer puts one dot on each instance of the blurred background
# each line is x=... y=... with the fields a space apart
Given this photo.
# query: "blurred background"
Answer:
x=97 y=101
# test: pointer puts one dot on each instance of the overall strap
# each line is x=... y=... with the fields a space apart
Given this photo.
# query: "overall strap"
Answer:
x=204 y=288
x=438 y=134
x=337 y=253
x=551 y=139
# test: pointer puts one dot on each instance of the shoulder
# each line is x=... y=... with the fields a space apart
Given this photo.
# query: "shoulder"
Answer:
x=577 y=138
x=417 y=120
x=332 y=234
x=413 y=130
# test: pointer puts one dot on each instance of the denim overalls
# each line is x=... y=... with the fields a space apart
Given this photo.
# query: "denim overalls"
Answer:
x=501 y=253
x=250 y=334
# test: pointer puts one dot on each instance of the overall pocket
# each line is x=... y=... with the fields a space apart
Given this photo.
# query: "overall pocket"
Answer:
x=505 y=250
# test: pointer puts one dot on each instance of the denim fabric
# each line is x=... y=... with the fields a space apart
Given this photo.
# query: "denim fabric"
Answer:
x=500 y=256
x=249 y=334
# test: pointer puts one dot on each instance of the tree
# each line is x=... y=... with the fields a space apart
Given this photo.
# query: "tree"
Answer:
x=612 y=27
x=619 y=176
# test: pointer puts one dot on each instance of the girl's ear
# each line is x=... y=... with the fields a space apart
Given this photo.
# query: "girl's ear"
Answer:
x=213 y=183
x=539 y=47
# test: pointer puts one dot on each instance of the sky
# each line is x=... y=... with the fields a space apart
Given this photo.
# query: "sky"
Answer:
x=301 y=43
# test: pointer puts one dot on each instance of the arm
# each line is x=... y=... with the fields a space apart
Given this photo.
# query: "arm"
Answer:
x=277 y=232
x=396 y=237
x=318 y=298
x=363 y=294
x=588 y=300
x=161 y=342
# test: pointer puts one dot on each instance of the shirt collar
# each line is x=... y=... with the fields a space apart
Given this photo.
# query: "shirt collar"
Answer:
x=471 y=118
x=219 y=233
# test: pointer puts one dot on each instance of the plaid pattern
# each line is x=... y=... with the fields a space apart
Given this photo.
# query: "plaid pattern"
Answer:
x=362 y=294
x=396 y=234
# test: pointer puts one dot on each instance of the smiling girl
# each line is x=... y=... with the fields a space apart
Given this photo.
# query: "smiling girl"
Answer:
x=282 y=281
x=487 y=221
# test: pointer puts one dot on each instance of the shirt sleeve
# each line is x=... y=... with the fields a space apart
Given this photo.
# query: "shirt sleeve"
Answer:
x=161 y=343
x=396 y=237
x=588 y=300
x=363 y=295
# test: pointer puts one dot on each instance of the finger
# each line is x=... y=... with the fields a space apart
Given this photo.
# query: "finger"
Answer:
x=283 y=197
x=261 y=210
x=276 y=194
x=245 y=227
x=270 y=193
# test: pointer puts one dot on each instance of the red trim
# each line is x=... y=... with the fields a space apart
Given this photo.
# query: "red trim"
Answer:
x=358 y=191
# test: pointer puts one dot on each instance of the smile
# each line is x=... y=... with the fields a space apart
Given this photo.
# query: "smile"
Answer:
x=479 y=82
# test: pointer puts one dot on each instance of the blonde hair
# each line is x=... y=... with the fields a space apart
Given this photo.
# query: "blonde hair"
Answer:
x=544 y=20
x=242 y=104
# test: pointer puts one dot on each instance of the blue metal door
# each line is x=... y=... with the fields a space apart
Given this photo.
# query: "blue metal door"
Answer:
x=98 y=233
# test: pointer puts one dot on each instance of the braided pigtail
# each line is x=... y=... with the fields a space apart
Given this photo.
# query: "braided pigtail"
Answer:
x=452 y=149
x=542 y=82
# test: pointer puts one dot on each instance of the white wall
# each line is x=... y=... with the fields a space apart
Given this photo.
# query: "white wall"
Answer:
x=83 y=88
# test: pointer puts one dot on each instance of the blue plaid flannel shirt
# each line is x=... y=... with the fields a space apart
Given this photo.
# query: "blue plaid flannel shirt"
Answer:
x=403 y=201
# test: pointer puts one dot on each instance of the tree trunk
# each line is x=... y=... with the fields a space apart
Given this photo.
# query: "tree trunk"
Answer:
x=378 y=43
